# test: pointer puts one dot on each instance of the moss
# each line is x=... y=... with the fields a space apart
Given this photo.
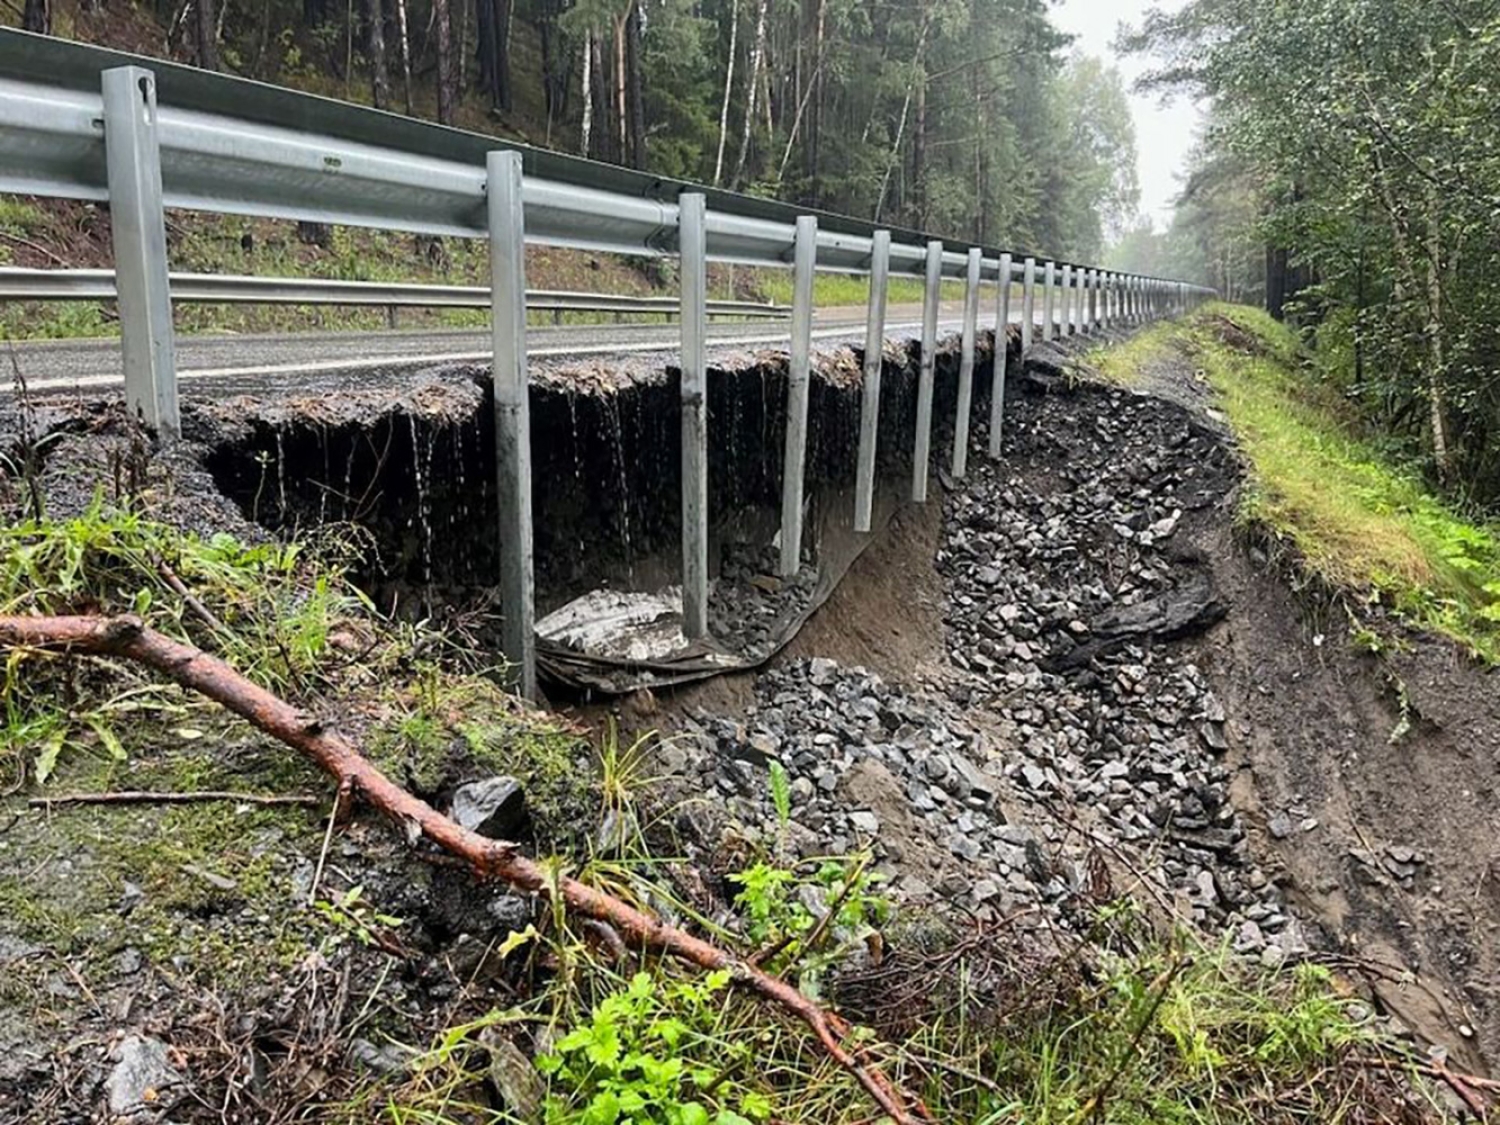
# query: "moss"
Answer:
x=63 y=876
x=1354 y=518
x=445 y=729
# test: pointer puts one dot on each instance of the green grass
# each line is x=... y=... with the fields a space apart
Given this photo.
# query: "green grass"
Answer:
x=1354 y=518
x=835 y=290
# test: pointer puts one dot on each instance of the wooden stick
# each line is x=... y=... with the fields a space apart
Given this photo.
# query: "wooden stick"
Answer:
x=141 y=797
x=127 y=637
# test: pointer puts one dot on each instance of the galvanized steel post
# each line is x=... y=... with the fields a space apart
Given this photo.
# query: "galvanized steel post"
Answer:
x=1028 y=305
x=799 y=373
x=512 y=414
x=966 y=368
x=921 y=453
x=1049 y=278
x=869 y=395
x=1065 y=295
x=693 y=262
x=1002 y=357
x=133 y=167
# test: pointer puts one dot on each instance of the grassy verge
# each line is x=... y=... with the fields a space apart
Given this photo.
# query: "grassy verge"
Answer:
x=1354 y=518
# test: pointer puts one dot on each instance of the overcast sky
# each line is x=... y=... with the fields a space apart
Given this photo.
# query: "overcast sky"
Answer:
x=1163 y=133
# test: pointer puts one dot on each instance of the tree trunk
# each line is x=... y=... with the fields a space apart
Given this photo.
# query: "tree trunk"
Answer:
x=588 y=93
x=734 y=30
x=919 y=148
x=206 y=37
x=403 y=32
x=486 y=49
x=443 y=21
x=37 y=17
x=505 y=13
x=380 y=75
x=603 y=136
x=815 y=120
x=1437 y=393
x=757 y=54
x=635 y=95
x=622 y=143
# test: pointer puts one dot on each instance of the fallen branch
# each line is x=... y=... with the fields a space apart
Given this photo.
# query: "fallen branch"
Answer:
x=128 y=638
x=141 y=797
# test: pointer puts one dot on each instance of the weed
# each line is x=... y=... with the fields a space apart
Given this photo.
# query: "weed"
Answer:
x=353 y=916
x=640 y=1057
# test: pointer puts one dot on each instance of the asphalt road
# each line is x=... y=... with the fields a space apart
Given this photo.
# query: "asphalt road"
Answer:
x=229 y=363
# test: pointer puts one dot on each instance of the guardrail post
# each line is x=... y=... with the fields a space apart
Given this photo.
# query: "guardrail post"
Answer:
x=966 y=367
x=1002 y=358
x=692 y=250
x=1028 y=305
x=799 y=374
x=1049 y=283
x=1109 y=299
x=1094 y=276
x=927 y=373
x=133 y=166
x=507 y=224
x=869 y=395
x=1065 y=299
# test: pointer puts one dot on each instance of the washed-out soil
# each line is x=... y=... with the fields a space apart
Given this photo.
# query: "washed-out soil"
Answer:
x=1068 y=676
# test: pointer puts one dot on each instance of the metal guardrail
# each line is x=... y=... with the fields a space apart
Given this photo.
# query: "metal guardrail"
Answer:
x=81 y=122
x=19 y=283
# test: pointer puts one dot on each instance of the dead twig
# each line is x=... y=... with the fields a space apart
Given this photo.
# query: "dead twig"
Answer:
x=169 y=576
x=128 y=638
x=1095 y=1105
x=30 y=245
x=143 y=797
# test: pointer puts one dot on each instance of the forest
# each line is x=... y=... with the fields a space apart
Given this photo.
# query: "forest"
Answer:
x=970 y=118
x=1349 y=177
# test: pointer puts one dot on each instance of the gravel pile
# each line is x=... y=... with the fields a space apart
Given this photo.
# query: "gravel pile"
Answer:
x=1072 y=736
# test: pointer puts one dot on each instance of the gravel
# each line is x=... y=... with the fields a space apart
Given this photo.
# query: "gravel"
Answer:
x=1071 y=731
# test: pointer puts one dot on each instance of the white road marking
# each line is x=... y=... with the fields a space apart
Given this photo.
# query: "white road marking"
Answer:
x=377 y=362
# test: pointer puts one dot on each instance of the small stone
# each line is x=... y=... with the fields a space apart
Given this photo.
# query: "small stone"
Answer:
x=1249 y=939
x=1035 y=777
x=1280 y=826
x=494 y=807
x=1113 y=770
x=143 y=1076
x=821 y=671
x=1309 y=824
x=389 y=1059
x=866 y=822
